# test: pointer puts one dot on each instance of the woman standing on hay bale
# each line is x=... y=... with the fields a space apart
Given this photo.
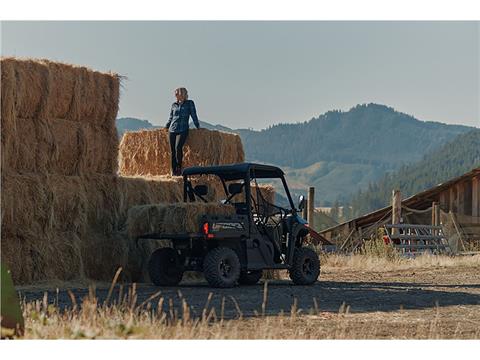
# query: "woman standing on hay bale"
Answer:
x=177 y=126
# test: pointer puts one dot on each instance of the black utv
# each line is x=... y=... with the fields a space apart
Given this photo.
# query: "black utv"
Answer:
x=235 y=249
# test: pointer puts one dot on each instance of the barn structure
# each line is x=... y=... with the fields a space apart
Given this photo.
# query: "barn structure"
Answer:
x=454 y=206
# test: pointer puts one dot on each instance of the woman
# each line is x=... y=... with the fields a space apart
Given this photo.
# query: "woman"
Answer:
x=177 y=126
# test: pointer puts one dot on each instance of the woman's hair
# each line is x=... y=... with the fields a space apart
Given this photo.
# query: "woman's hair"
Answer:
x=182 y=91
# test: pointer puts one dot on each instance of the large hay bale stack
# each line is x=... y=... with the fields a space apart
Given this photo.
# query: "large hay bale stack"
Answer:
x=147 y=152
x=68 y=227
x=57 y=118
x=64 y=209
x=59 y=144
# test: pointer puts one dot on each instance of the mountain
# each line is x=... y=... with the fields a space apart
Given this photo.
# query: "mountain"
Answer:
x=132 y=124
x=450 y=160
x=342 y=152
x=339 y=152
x=366 y=134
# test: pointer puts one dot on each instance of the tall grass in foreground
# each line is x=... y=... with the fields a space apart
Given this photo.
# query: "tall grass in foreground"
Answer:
x=124 y=317
x=128 y=320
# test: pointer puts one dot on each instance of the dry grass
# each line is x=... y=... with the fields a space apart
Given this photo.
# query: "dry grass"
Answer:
x=373 y=263
x=147 y=152
x=127 y=319
x=121 y=316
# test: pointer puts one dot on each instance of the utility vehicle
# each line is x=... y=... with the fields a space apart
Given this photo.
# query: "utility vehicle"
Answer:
x=235 y=249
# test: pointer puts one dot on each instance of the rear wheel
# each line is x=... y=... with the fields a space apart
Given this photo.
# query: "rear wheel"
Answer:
x=164 y=268
x=250 y=277
x=305 y=267
x=221 y=267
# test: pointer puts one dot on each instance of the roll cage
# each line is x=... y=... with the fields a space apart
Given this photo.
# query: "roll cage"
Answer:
x=256 y=206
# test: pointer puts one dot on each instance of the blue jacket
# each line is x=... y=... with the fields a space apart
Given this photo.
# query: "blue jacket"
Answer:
x=179 y=116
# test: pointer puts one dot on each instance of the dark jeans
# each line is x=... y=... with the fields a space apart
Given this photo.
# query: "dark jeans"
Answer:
x=177 y=140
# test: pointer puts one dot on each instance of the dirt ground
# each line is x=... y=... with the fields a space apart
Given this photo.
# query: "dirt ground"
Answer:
x=433 y=302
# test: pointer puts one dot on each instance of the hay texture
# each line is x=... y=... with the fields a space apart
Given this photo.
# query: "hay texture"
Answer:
x=267 y=191
x=59 y=153
x=147 y=152
x=69 y=227
x=57 y=118
x=44 y=89
x=60 y=147
x=177 y=218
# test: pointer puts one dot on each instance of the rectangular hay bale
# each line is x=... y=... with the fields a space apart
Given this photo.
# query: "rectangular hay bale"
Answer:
x=176 y=218
x=42 y=204
x=147 y=152
x=59 y=147
x=40 y=88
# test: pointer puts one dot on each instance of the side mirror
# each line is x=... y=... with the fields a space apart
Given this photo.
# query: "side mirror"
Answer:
x=301 y=202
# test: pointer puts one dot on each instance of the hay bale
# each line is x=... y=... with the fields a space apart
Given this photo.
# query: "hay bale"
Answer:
x=35 y=204
x=176 y=218
x=59 y=147
x=7 y=121
x=147 y=152
x=57 y=118
x=66 y=227
x=54 y=256
x=51 y=90
x=267 y=191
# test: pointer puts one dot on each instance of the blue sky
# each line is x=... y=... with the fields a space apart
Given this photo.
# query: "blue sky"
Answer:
x=255 y=74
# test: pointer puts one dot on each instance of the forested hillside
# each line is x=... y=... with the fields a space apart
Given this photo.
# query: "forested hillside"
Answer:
x=452 y=159
x=366 y=134
x=338 y=152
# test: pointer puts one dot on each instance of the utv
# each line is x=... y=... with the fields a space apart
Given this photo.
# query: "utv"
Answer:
x=235 y=249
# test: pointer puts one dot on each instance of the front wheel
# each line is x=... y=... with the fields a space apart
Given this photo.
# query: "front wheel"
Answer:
x=305 y=267
x=221 y=267
x=250 y=277
x=164 y=268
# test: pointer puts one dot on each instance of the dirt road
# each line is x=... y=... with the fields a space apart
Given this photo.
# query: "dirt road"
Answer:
x=363 y=292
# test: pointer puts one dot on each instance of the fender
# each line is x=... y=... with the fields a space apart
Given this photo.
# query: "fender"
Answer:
x=298 y=230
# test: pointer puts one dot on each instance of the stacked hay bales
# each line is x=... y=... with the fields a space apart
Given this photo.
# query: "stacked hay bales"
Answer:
x=147 y=152
x=63 y=206
x=54 y=120
x=58 y=142
x=57 y=118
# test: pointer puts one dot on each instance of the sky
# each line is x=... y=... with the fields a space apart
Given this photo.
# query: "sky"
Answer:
x=256 y=74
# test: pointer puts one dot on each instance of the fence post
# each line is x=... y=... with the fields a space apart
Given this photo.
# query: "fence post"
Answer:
x=311 y=206
x=396 y=209
x=305 y=210
x=435 y=216
x=476 y=198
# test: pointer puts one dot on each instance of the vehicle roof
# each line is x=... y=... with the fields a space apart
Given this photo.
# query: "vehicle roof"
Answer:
x=236 y=171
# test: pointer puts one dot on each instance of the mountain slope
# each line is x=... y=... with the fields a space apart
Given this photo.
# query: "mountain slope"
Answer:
x=366 y=134
x=338 y=152
x=452 y=159
x=131 y=124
